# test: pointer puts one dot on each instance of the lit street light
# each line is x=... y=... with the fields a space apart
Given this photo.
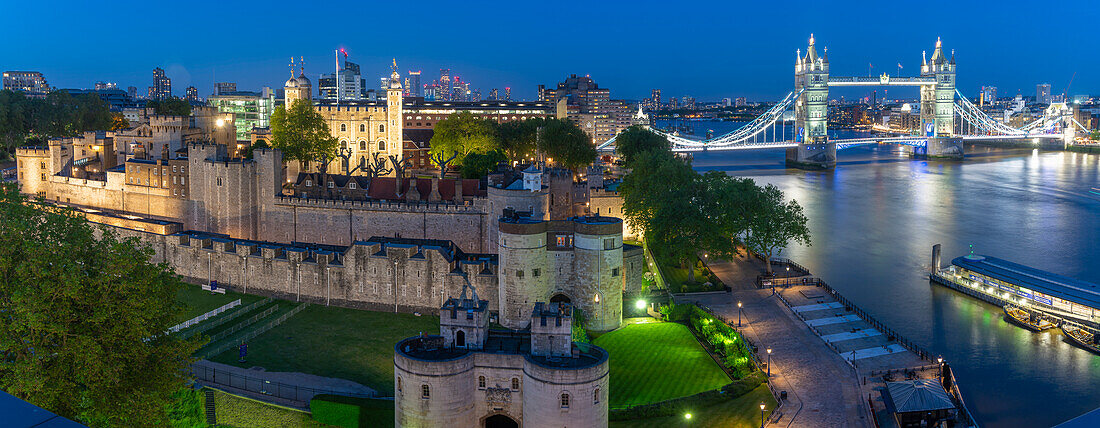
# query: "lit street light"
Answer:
x=640 y=304
x=739 y=314
x=769 y=362
x=761 y=414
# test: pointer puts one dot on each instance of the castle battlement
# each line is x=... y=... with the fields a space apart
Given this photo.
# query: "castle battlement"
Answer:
x=469 y=207
x=32 y=151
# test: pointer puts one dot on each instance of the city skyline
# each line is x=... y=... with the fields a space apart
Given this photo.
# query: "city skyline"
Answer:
x=721 y=53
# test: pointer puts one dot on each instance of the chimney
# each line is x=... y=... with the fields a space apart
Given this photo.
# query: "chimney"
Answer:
x=434 y=196
x=458 y=191
x=413 y=194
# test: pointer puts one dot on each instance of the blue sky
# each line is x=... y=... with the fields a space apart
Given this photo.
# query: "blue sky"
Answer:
x=706 y=49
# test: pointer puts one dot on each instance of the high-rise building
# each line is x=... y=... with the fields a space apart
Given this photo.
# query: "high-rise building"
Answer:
x=412 y=84
x=131 y=91
x=347 y=84
x=102 y=86
x=654 y=99
x=32 y=83
x=191 y=94
x=224 y=87
x=493 y=95
x=1042 y=93
x=740 y=102
x=445 y=82
x=162 y=85
x=726 y=102
x=507 y=93
x=989 y=94
x=590 y=107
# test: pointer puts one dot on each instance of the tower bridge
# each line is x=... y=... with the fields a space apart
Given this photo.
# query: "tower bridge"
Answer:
x=947 y=118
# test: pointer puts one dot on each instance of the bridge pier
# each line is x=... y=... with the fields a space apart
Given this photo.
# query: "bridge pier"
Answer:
x=814 y=156
x=940 y=148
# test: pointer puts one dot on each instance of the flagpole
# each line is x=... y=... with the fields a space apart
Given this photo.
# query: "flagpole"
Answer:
x=337 y=54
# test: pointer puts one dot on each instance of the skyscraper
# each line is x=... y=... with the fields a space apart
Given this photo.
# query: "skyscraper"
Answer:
x=507 y=93
x=412 y=84
x=345 y=85
x=191 y=94
x=655 y=99
x=162 y=85
x=1042 y=93
x=989 y=94
x=131 y=91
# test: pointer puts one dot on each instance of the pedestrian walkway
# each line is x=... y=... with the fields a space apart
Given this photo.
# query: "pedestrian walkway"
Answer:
x=849 y=335
x=832 y=320
x=817 y=307
x=823 y=389
x=859 y=354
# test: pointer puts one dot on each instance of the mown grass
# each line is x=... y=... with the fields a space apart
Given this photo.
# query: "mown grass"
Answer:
x=740 y=412
x=335 y=342
x=239 y=412
x=653 y=362
x=197 y=301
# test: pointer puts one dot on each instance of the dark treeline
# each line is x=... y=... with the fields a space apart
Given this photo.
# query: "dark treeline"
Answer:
x=32 y=121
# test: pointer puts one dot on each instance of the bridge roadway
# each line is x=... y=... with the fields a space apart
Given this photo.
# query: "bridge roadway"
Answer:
x=823 y=390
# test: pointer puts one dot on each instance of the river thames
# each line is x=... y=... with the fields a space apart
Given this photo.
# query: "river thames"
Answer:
x=875 y=218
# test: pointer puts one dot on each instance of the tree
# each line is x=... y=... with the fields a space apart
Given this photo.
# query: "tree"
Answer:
x=171 y=106
x=637 y=139
x=302 y=134
x=84 y=318
x=477 y=165
x=566 y=143
x=118 y=122
x=664 y=197
x=441 y=162
x=730 y=206
x=260 y=144
x=463 y=133
x=775 y=223
x=519 y=138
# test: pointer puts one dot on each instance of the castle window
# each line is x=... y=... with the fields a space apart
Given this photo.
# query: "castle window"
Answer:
x=154 y=171
x=219 y=181
x=173 y=168
x=481 y=382
x=42 y=165
x=183 y=180
x=343 y=144
x=381 y=128
x=351 y=185
x=425 y=392
x=331 y=184
x=564 y=400
x=362 y=128
x=183 y=169
x=515 y=384
x=381 y=146
x=535 y=273
x=609 y=243
x=596 y=397
x=175 y=180
x=343 y=127
x=362 y=145
x=615 y=272
x=460 y=339
x=519 y=273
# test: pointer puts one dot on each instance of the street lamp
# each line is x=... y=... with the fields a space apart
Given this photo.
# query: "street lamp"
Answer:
x=761 y=414
x=640 y=304
x=788 y=281
x=769 y=362
x=739 y=314
x=687 y=416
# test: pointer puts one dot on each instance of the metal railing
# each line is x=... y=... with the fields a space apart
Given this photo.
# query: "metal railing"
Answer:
x=908 y=344
x=205 y=372
x=205 y=316
x=229 y=317
x=255 y=332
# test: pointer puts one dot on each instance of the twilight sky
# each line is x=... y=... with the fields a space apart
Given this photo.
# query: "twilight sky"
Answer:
x=707 y=49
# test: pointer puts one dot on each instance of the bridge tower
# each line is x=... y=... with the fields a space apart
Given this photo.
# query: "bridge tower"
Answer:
x=811 y=76
x=937 y=105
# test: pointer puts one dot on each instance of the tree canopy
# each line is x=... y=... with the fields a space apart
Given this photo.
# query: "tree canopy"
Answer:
x=565 y=143
x=302 y=134
x=462 y=134
x=170 y=106
x=635 y=140
x=84 y=318
x=57 y=115
x=775 y=224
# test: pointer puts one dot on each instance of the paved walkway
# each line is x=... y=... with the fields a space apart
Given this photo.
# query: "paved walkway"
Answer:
x=823 y=390
x=291 y=389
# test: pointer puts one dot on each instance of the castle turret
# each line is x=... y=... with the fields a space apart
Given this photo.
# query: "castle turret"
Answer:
x=297 y=88
x=811 y=80
x=523 y=276
x=464 y=321
x=552 y=330
x=597 y=284
x=938 y=100
x=394 y=109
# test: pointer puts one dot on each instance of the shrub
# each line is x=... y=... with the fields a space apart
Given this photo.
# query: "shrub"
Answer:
x=580 y=335
x=352 y=412
x=676 y=313
x=185 y=410
x=726 y=341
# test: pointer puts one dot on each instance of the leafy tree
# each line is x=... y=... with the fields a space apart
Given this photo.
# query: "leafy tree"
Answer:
x=462 y=134
x=477 y=165
x=566 y=143
x=260 y=144
x=302 y=134
x=171 y=106
x=635 y=140
x=664 y=197
x=519 y=138
x=118 y=122
x=730 y=206
x=84 y=319
x=775 y=223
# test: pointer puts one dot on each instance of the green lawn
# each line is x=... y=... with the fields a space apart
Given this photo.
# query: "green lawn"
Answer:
x=239 y=412
x=653 y=362
x=335 y=342
x=199 y=301
x=740 y=412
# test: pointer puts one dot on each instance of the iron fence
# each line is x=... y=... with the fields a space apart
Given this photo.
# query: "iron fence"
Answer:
x=206 y=373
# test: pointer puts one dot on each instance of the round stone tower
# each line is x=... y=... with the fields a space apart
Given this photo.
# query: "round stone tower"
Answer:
x=523 y=275
x=432 y=388
x=597 y=286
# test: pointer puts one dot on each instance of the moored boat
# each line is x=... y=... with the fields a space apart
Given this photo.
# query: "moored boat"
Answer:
x=1026 y=320
x=1081 y=337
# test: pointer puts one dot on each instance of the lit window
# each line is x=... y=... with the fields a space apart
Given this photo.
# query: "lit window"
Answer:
x=309 y=183
x=331 y=184
x=351 y=185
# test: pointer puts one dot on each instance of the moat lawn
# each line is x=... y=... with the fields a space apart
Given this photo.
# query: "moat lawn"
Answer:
x=740 y=412
x=198 y=301
x=653 y=362
x=335 y=342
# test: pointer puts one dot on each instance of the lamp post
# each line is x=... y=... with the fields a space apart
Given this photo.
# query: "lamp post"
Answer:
x=939 y=360
x=761 y=414
x=788 y=281
x=739 y=314
x=769 y=362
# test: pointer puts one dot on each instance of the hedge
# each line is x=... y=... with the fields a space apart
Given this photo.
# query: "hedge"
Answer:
x=726 y=341
x=352 y=412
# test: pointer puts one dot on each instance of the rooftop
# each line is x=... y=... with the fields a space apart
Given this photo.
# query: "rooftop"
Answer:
x=1065 y=288
x=509 y=342
x=919 y=395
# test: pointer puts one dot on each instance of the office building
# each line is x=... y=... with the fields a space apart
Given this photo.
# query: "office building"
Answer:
x=346 y=84
x=99 y=86
x=589 y=106
x=191 y=94
x=32 y=83
x=412 y=85
x=250 y=109
x=131 y=91
x=224 y=87
x=989 y=95
x=162 y=85
x=1042 y=93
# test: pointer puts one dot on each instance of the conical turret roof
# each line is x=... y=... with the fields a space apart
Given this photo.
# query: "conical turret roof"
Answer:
x=937 y=55
x=811 y=51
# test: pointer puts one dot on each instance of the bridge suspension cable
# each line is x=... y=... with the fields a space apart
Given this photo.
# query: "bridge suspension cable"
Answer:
x=975 y=116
